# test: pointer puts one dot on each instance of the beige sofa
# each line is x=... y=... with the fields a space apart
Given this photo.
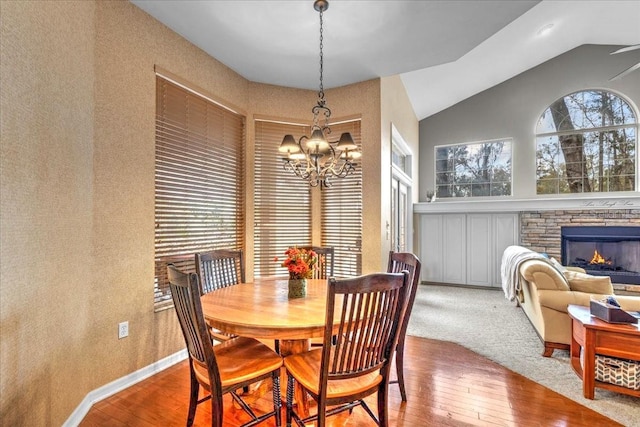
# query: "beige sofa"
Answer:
x=546 y=291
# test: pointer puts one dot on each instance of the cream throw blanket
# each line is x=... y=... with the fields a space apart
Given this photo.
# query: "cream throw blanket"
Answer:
x=512 y=257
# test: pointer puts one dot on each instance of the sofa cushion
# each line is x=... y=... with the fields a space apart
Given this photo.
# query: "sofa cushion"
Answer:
x=587 y=283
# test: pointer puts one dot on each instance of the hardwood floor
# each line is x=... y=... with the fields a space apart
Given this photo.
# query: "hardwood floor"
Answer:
x=447 y=385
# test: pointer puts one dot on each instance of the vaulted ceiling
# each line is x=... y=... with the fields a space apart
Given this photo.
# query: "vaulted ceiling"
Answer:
x=444 y=51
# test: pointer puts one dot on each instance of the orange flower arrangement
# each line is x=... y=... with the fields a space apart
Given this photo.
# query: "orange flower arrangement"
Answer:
x=300 y=263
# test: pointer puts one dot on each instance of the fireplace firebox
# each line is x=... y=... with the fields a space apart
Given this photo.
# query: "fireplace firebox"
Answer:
x=603 y=251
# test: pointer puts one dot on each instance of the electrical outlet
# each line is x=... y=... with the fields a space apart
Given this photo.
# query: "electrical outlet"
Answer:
x=123 y=329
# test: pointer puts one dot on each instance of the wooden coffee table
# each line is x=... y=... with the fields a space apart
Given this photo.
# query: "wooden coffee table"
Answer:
x=596 y=336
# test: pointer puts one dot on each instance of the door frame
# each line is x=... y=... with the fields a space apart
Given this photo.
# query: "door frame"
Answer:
x=401 y=176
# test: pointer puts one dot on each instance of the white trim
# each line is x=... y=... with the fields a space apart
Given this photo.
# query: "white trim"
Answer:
x=507 y=204
x=399 y=142
x=120 y=384
x=404 y=177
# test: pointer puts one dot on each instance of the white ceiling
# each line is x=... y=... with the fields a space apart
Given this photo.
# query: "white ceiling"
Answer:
x=444 y=51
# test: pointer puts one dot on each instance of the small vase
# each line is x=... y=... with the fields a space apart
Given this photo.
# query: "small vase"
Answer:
x=297 y=288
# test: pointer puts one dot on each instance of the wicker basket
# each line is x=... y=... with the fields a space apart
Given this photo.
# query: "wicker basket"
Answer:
x=622 y=372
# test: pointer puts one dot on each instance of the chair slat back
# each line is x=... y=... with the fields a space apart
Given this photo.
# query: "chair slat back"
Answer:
x=185 y=291
x=401 y=261
x=220 y=268
x=324 y=268
x=370 y=310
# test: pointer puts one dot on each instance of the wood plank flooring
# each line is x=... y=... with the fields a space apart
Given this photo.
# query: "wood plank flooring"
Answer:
x=447 y=385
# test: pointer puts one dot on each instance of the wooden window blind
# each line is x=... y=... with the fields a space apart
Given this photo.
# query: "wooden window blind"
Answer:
x=199 y=187
x=342 y=212
x=282 y=200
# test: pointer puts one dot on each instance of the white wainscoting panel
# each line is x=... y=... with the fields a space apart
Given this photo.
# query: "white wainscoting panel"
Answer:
x=479 y=254
x=454 y=248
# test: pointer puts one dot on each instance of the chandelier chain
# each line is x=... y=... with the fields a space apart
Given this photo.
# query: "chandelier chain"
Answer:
x=321 y=92
x=314 y=158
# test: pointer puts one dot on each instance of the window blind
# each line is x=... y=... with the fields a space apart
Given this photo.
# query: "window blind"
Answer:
x=282 y=200
x=199 y=187
x=342 y=212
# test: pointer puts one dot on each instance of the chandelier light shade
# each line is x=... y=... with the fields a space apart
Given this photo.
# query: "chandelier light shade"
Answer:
x=315 y=158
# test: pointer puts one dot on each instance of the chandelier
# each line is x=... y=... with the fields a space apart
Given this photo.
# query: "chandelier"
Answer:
x=314 y=158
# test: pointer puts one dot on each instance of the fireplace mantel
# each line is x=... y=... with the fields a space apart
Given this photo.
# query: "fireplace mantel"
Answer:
x=522 y=205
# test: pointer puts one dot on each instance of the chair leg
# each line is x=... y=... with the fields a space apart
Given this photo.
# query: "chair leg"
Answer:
x=289 y=399
x=193 y=399
x=322 y=413
x=277 y=399
x=383 y=414
x=400 y=370
x=216 y=411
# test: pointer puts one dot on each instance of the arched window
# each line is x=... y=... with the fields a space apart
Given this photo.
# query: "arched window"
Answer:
x=587 y=142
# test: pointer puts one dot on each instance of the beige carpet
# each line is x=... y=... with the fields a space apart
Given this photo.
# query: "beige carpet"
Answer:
x=485 y=322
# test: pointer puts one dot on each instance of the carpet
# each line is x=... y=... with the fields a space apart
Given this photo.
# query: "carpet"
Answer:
x=484 y=321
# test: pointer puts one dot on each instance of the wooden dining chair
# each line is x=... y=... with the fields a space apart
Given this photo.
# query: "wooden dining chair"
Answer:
x=220 y=268
x=324 y=268
x=358 y=364
x=217 y=269
x=226 y=367
x=400 y=261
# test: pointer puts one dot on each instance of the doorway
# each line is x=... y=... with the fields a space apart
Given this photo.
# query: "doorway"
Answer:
x=399 y=215
x=401 y=203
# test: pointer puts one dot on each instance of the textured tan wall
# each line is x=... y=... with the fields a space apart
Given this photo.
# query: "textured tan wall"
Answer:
x=78 y=109
x=365 y=98
x=46 y=104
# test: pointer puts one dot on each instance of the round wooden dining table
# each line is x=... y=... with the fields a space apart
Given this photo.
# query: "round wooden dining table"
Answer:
x=263 y=310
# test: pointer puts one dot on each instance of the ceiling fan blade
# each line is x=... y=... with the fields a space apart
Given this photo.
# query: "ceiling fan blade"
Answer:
x=626 y=49
x=625 y=72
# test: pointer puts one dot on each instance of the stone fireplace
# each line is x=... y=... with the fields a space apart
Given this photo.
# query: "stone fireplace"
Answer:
x=541 y=231
x=603 y=251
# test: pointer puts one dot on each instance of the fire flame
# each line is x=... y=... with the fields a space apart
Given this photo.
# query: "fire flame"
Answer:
x=599 y=259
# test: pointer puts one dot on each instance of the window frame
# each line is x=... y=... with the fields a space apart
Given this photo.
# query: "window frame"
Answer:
x=339 y=227
x=199 y=137
x=289 y=218
x=342 y=227
x=507 y=140
x=561 y=170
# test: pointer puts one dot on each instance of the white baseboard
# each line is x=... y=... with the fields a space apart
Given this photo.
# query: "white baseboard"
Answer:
x=120 y=384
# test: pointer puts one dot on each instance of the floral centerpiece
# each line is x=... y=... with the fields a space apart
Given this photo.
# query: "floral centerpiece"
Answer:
x=300 y=263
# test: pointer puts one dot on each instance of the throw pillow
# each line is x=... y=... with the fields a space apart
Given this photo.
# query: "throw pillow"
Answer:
x=587 y=283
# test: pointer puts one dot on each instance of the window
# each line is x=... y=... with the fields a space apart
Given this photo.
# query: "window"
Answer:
x=199 y=187
x=474 y=169
x=283 y=204
x=586 y=142
x=400 y=160
x=282 y=200
x=342 y=212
